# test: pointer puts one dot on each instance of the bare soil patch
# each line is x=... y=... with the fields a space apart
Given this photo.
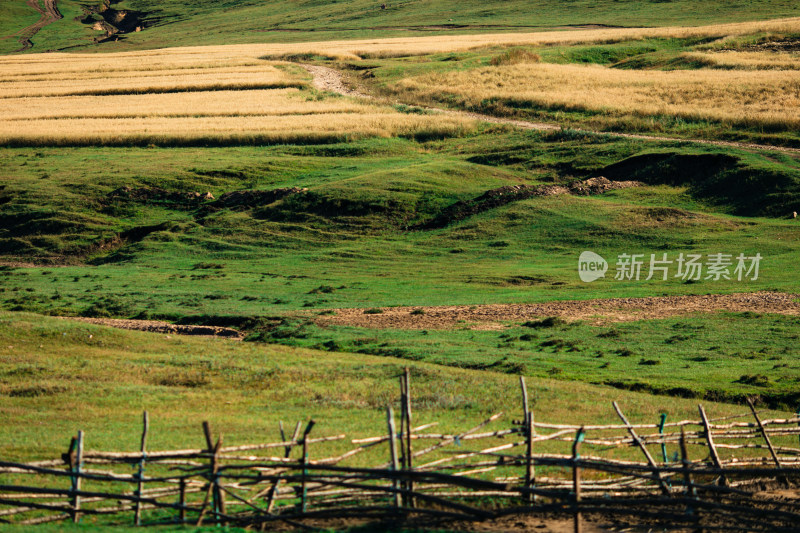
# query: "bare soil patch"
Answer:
x=495 y=316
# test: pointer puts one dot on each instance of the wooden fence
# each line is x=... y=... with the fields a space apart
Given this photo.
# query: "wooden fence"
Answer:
x=722 y=474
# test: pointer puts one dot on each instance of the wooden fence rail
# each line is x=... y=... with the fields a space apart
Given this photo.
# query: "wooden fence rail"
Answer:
x=480 y=473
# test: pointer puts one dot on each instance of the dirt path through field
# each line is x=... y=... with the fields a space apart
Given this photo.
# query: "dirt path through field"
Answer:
x=497 y=316
x=329 y=79
x=47 y=15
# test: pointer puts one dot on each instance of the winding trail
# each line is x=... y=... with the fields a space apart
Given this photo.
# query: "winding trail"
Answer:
x=329 y=79
x=47 y=15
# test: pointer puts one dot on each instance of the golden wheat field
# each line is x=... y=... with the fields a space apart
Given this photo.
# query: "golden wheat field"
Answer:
x=183 y=98
x=245 y=92
x=743 y=97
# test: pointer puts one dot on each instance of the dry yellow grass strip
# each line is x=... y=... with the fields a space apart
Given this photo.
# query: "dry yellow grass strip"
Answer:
x=748 y=60
x=210 y=103
x=743 y=97
x=253 y=128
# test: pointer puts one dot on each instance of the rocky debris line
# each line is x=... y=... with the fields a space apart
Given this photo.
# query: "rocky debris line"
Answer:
x=600 y=311
x=255 y=198
x=157 y=194
x=155 y=326
x=511 y=193
x=600 y=185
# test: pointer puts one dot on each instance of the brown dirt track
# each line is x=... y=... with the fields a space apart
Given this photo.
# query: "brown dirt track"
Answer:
x=48 y=15
x=496 y=316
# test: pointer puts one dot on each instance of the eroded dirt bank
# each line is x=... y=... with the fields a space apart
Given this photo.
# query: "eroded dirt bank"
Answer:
x=155 y=326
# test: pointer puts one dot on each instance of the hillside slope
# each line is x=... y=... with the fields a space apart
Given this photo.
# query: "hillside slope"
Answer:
x=183 y=23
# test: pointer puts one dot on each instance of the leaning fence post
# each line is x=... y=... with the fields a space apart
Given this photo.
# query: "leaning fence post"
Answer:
x=764 y=433
x=137 y=520
x=711 y=447
x=640 y=444
x=393 y=451
x=576 y=477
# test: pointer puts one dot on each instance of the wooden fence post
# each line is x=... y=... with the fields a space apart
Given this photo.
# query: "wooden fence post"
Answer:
x=711 y=447
x=764 y=433
x=304 y=462
x=287 y=451
x=219 y=495
x=182 y=501
x=530 y=474
x=687 y=476
x=576 y=477
x=661 y=423
x=217 y=499
x=69 y=459
x=76 y=480
x=525 y=406
x=408 y=451
x=393 y=451
x=137 y=520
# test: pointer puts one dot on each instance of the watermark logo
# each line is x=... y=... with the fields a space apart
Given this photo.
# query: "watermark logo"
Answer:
x=687 y=267
x=591 y=266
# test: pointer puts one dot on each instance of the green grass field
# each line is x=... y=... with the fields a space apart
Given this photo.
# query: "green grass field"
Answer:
x=62 y=376
x=350 y=241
